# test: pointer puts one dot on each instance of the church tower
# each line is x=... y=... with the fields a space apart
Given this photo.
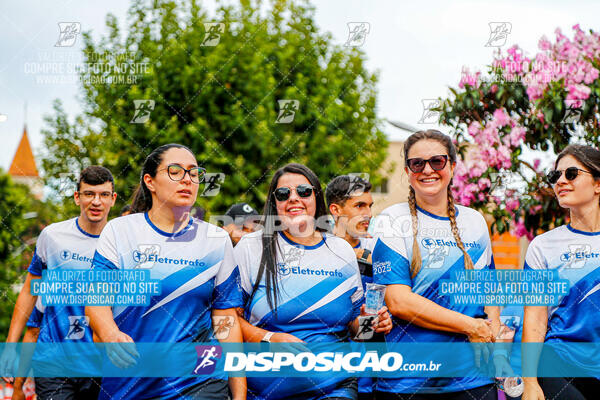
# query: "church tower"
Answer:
x=23 y=168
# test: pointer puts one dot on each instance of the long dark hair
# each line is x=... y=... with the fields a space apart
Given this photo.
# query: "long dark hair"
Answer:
x=586 y=155
x=142 y=198
x=268 y=261
x=432 y=134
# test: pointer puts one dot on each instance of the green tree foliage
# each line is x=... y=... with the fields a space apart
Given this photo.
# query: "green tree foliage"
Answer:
x=221 y=100
x=22 y=218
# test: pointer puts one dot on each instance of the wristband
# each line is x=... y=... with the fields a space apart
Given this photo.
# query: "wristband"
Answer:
x=267 y=337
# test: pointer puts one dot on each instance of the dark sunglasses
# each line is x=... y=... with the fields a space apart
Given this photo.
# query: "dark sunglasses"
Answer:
x=417 y=165
x=570 y=173
x=283 y=193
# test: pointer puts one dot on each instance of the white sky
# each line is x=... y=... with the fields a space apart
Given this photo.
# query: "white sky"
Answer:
x=418 y=48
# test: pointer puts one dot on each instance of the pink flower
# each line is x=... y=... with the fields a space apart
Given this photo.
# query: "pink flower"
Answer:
x=535 y=209
x=520 y=229
x=540 y=116
x=504 y=155
x=474 y=128
x=578 y=92
x=517 y=134
x=467 y=79
x=536 y=164
x=591 y=76
x=484 y=183
x=501 y=117
x=512 y=204
x=544 y=43
x=535 y=91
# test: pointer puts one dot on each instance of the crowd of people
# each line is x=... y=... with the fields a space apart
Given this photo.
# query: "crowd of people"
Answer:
x=249 y=274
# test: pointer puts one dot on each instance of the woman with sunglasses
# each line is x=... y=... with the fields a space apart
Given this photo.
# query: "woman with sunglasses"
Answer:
x=197 y=272
x=432 y=239
x=300 y=284
x=573 y=251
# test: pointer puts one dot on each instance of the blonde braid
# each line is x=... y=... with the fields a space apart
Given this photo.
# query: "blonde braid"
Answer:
x=415 y=262
x=455 y=232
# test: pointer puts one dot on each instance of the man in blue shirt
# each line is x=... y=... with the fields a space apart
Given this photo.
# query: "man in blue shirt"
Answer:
x=65 y=245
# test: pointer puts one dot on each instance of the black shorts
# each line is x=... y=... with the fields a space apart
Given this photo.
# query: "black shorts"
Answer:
x=211 y=389
x=570 y=388
x=487 y=392
x=67 y=388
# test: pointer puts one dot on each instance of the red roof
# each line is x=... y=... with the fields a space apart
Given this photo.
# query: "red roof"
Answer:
x=23 y=163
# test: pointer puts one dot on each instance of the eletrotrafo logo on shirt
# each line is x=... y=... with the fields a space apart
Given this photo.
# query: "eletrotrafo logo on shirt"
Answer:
x=68 y=255
x=285 y=270
x=65 y=254
x=430 y=243
x=578 y=255
x=151 y=255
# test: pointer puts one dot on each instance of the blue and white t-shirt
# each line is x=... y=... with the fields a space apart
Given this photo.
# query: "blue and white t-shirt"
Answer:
x=441 y=257
x=197 y=272
x=320 y=293
x=63 y=246
x=576 y=256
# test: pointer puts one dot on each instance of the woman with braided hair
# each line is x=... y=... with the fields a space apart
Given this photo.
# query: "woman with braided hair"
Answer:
x=441 y=240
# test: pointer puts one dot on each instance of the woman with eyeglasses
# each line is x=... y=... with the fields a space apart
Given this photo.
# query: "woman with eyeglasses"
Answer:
x=573 y=251
x=197 y=272
x=431 y=239
x=300 y=284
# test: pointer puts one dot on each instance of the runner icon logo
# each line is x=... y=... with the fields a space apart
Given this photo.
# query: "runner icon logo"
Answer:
x=207 y=359
x=77 y=325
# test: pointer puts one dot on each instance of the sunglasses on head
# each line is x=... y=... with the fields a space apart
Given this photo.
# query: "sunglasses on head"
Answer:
x=437 y=163
x=570 y=173
x=283 y=193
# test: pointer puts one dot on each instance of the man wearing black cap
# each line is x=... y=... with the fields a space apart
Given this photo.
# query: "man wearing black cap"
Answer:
x=242 y=219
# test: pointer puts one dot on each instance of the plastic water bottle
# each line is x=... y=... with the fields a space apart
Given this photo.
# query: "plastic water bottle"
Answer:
x=513 y=386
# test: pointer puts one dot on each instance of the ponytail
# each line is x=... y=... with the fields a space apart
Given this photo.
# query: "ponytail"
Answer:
x=416 y=261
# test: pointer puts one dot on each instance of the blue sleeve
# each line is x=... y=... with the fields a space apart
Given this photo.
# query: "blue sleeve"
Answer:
x=390 y=267
x=35 y=319
x=228 y=290
x=102 y=262
x=228 y=294
x=37 y=265
x=358 y=297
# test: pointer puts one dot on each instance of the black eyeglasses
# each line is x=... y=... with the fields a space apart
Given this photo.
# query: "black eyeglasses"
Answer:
x=89 y=195
x=283 y=193
x=177 y=172
x=570 y=173
x=417 y=165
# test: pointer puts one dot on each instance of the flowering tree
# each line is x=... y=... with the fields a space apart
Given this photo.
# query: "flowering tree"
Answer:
x=524 y=103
